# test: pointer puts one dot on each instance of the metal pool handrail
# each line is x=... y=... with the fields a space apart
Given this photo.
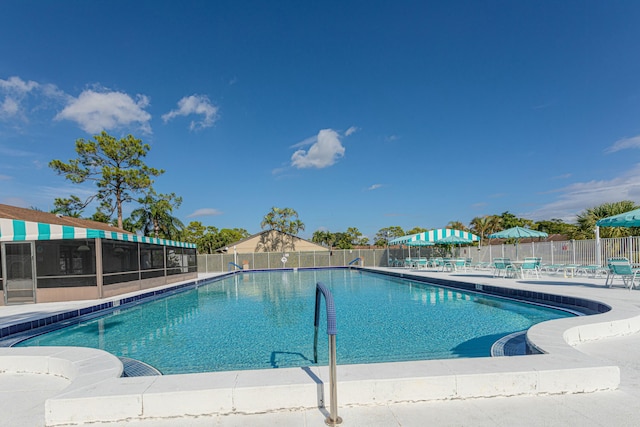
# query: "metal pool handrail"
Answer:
x=355 y=260
x=234 y=264
x=332 y=329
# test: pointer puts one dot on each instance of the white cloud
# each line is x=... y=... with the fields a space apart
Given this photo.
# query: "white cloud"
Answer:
x=623 y=144
x=392 y=138
x=9 y=107
x=97 y=111
x=204 y=212
x=15 y=90
x=305 y=142
x=374 y=187
x=195 y=104
x=17 y=86
x=579 y=196
x=351 y=131
x=18 y=98
x=323 y=153
x=5 y=177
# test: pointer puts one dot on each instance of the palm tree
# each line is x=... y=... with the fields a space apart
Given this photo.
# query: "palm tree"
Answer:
x=155 y=216
x=588 y=218
x=495 y=224
x=457 y=225
x=284 y=220
x=480 y=226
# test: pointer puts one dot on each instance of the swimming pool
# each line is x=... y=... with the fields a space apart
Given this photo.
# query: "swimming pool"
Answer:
x=265 y=320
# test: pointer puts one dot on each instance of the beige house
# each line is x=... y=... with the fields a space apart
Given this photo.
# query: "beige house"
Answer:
x=272 y=241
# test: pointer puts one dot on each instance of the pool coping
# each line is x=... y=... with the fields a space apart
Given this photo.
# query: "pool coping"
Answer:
x=98 y=392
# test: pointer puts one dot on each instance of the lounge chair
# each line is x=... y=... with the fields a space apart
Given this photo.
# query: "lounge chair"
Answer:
x=551 y=268
x=621 y=267
x=592 y=270
x=568 y=270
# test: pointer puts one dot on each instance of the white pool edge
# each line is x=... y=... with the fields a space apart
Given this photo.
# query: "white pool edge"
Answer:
x=97 y=393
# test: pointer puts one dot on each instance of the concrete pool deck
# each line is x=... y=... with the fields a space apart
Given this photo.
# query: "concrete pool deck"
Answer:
x=595 y=381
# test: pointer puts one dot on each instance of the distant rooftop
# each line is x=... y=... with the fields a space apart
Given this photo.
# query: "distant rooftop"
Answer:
x=14 y=212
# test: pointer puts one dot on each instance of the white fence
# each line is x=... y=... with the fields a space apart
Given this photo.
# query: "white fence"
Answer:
x=581 y=252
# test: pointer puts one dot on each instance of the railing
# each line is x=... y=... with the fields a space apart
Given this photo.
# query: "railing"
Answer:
x=235 y=265
x=354 y=261
x=332 y=330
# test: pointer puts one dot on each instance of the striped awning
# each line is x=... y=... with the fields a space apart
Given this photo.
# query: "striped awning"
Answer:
x=434 y=236
x=14 y=230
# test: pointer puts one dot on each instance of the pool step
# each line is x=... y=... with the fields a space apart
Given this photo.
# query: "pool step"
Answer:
x=511 y=345
x=136 y=368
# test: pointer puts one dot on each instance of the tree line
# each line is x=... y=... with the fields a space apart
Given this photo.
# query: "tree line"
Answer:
x=117 y=168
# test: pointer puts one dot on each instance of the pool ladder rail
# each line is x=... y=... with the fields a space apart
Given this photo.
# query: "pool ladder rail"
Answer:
x=332 y=329
x=231 y=263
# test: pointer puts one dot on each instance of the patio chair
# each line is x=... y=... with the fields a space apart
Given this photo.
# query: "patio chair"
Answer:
x=502 y=267
x=395 y=262
x=448 y=264
x=621 y=267
x=460 y=264
x=420 y=263
x=482 y=265
x=531 y=266
x=436 y=262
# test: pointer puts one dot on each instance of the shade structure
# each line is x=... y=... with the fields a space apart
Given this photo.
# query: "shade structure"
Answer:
x=517 y=233
x=627 y=219
x=433 y=236
x=13 y=230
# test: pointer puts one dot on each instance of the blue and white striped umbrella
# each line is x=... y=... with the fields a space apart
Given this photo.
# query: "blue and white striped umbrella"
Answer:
x=434 y=236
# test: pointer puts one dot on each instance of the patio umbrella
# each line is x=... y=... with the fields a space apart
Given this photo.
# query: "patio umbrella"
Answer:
x=517 y=233
x=453 y=240
x=433 y=236
x=418 y=243
x=626 y=219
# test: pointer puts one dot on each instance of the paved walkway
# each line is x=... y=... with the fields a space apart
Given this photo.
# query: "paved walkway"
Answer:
x=22 y=396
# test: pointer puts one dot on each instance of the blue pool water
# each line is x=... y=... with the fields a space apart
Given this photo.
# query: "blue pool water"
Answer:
x=265 y=320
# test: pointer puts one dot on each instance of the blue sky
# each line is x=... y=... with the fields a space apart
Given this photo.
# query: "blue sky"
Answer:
x=364 y=114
